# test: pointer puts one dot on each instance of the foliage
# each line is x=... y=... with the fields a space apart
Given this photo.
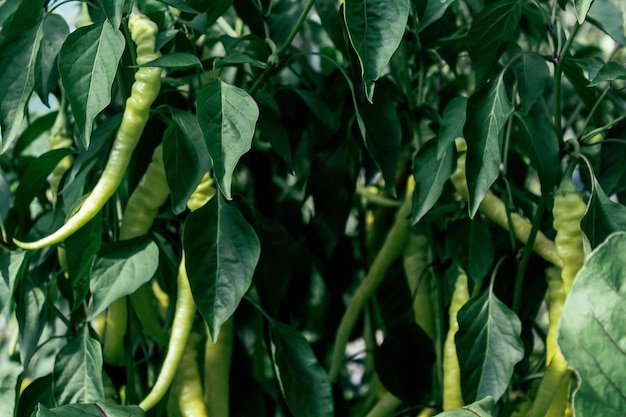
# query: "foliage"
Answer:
x=332 y=130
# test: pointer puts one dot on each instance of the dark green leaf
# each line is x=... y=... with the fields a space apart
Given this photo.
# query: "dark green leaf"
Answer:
x=180 y=5
x=227 y=116
x=573 y=70
x=431 y=174
x=482 y=408
x=90 y=410
x=38 y=391
x=488 y=345
x=9 y=374
x=488 y=109
x=88 y=65
x=18 y=16
x=317 y=106
x=186 y=157
x=35 y=177
x=537 y=139
x=607 y=16
x=271 y=127
x=533 y=77
x=611 y=71
x=199 y=23
x=113 y=10
x=35 y=129
x=215 y=9
x=303 y=381
x=592 y=329
x=31 y=316
x=452 y=124
x=581 y=7
x=78 y=371
x=237 y=58
x=491 y=29
x=121 y=268
x=471 y=246
x=603 y=217
x=10 y=263
x=434 y=10
x=55 y=30
x=375 y=29
x=222 y=252
x=174 y=60
x=17 y=77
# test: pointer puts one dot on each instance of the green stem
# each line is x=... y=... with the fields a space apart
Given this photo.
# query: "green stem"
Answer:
x=558 y=81
x=594 y=108
x=602 y=129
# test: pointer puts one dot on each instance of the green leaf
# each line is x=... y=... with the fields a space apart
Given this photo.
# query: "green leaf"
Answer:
x=609 y=18
x=482 y=408
x=434 y=10
x=35 y=177
x=31 y=316
x=303 y=381
x=611 y=71
x=431 y=174
x=452 y=123
x=113 y=10
x=471 y=246
x=383 y=134
x=533 y=77
x=535 y=136
x=90 y=410
x=237 y=58
x=10 y=263
x=17 y=77
x=121 y=268
x=186 y=157
x=55 y=30
x=492 y=28
x=375 y=29
x=592 y=330
x=174 y=60
x=222 y=252
x=78 y=371
x=603 y=217
x=180 y=5
x=88 y=65
x=227 y=116
x=35 y=129
x=581 y=7
x=9 y=374
x=18 y=16
x=488 y=345
x=488 y=109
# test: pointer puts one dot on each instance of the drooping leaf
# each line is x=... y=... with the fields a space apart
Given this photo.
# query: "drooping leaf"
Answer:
x=603 y=217
x=120 y=269
x=488 y=345
x=452 y=123
x=10 y=263
x=581 y=7
x=17 y=77
x=227 y=116
x=113 y=10
x=471 y=246
x=492 y=28
x=431 y=174
x=592 y=329
x=78 y=371
x=608 y=17
x=31 y=317
x=89 y=410
x=303 y=381
x=483 y=408
x=222 y=252
x=88 y=64
x=18 y=16
x=488 y=109
x=611 y=71
x=55 y=30
x=434 y=10
x=175 y=60
x=375 y=29
x=537 y=139
x=533 y=77
x=185 y=156
x=9 y=374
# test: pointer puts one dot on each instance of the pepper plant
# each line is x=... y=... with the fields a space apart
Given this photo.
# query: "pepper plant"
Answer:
x=312 y=208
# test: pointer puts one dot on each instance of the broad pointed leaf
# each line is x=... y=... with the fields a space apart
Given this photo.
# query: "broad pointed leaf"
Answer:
x=121 y=268
x=17 y=77
x=88 y=64
x=492 y=28
x=533 y=77
x=581 y=7
x=55 y=30
x=431 y=175
x=482 y=408
x=611 y=71
x=488 y=109
x=113 y=10
x=222 y=252
x=452 y=122
x=227 y=116
x=78 y=371
x=89 y=410
x=606 y=15
x=175 y=60
x=592 y=330
x=434 y=10
x=603 y=217
x=31 y=317
x=10 y=263
x=375 y=29
x=303 y=381
x=471 y=244
x=488 y=345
